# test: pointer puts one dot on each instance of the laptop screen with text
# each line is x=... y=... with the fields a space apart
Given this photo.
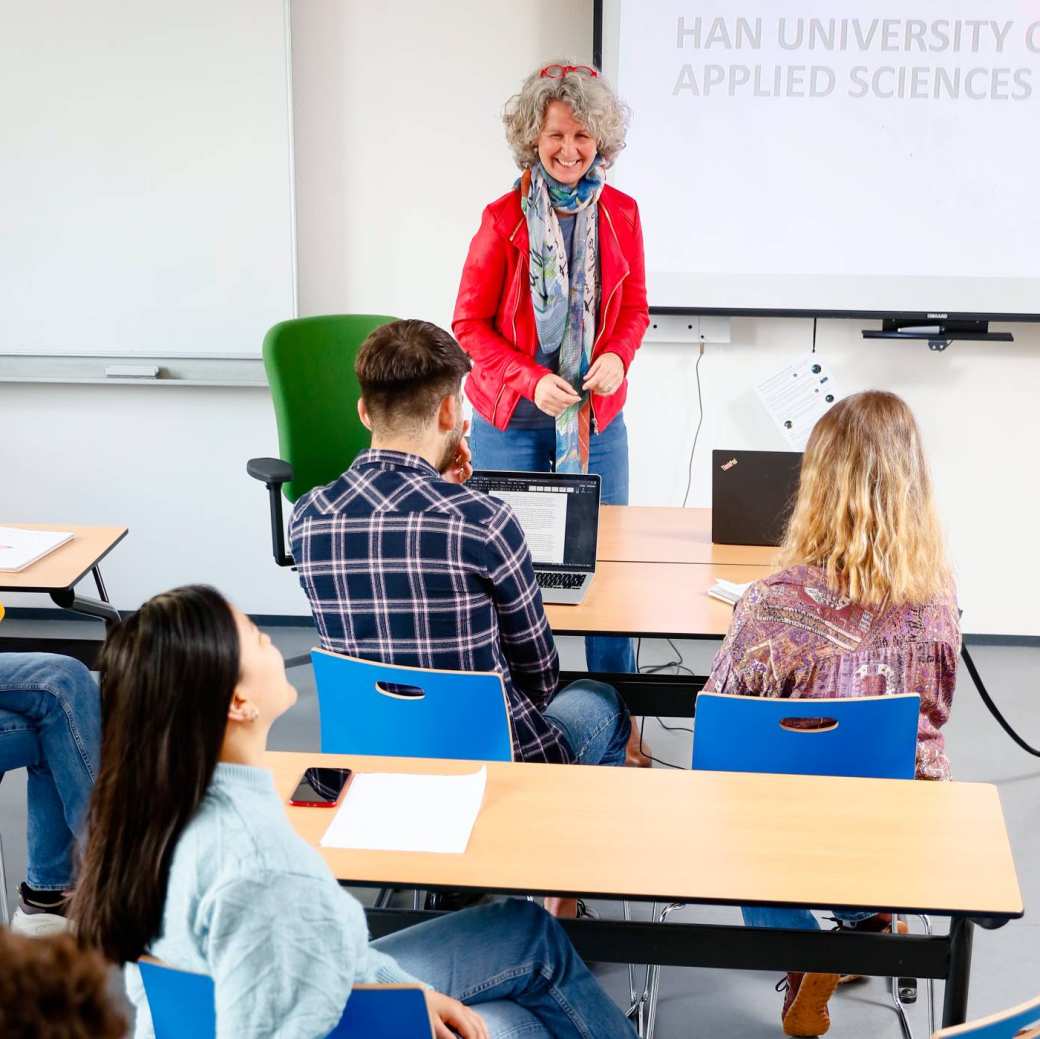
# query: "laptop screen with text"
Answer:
x=559 y=514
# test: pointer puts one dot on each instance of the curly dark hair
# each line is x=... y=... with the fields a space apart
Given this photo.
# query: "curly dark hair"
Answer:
x=52 y=989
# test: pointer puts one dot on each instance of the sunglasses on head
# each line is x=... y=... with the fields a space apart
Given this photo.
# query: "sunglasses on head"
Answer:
x=559 y=71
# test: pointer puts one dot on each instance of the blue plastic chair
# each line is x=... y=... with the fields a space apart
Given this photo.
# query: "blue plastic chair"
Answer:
x=1003 y=1025
x=871 y=737
x=410 y=712
x=182 y=1007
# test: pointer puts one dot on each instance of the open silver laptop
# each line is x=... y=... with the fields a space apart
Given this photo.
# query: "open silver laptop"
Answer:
x=559 y=513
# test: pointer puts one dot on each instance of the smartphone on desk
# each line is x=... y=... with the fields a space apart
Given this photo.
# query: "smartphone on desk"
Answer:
x=320 y=787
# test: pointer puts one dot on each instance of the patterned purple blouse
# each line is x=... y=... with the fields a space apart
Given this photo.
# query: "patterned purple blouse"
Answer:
x=792 y=636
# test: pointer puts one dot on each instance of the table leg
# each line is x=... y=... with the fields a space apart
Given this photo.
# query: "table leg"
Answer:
x=99 y=584
x=955 y=998
x=101 y=608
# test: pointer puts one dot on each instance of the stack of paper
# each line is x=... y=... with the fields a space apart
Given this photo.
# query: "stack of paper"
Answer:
x=728 y=591
x=20 y=548
x=395 y=812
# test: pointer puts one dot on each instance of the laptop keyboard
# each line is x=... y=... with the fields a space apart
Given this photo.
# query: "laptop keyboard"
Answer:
x=553 y=579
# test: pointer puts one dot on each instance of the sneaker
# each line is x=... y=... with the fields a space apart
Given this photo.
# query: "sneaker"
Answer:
x=879 y=923
x=805 y=1011
x=37 y=918
x=454 y=899
x=585 y=912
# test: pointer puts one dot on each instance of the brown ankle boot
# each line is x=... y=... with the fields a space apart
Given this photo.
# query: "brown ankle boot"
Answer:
x=805 y=1003
x=634 y=756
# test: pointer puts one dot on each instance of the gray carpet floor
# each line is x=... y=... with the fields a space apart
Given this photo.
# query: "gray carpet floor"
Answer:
x=707 y=1003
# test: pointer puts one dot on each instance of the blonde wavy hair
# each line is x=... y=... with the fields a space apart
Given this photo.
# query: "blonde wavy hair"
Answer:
x=864 y=512
x=593 y=102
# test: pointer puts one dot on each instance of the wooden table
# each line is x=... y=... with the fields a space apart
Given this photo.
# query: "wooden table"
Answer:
x=649 y=534
x=714 y=838
x=654 y=568
x=655 y=565
x=653 y=600
x=57 y=575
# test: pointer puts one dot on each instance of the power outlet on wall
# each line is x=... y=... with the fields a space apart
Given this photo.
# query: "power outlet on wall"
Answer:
x=687 y=328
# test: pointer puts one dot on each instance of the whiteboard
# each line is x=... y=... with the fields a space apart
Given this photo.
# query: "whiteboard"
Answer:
x=146 y=192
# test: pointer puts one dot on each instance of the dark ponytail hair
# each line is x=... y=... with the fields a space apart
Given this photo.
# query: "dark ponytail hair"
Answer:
x=168 y=673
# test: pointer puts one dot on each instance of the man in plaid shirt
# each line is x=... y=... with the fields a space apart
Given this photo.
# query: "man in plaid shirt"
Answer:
x=404 y=564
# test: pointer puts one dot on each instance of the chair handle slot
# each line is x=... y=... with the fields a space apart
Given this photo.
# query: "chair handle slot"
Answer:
x=400 y=691
x=809 y=725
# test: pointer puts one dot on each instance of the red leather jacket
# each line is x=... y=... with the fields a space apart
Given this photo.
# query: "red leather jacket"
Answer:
x=494 y=320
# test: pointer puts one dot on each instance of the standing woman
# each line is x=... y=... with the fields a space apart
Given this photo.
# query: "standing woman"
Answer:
x=552 y=305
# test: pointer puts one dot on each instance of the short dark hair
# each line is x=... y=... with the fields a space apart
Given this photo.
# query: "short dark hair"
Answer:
x=405 y=369
x=48 y=986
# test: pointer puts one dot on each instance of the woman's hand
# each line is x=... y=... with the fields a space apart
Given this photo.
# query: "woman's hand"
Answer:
x=450 y=1018
x=605 y=375
x=554 y=395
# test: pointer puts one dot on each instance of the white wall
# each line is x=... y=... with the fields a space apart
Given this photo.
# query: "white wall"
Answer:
x=398 y=149
x=978 y=405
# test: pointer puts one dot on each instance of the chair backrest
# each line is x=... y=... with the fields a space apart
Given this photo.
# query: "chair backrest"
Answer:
x=873 y=737
x=410 y=712
x=182 y=1007
x=310 y=368
x=1003 y=1025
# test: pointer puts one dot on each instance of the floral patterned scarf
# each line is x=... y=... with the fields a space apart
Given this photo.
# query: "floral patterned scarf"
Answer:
x=565 y=294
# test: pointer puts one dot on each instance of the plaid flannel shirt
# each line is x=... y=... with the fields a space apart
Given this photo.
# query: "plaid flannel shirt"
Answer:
x=403 y=567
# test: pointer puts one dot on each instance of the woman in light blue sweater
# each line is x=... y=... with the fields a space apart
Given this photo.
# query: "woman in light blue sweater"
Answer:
x=190 y=857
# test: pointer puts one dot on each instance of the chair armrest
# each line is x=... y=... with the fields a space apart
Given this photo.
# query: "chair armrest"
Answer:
x=269 y=470
x=274 y=473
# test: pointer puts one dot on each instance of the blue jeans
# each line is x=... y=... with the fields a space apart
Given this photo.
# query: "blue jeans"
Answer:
x=515 y=965
x=795 y=919
x=534 y=450
x=50 y=723
x=592 y=720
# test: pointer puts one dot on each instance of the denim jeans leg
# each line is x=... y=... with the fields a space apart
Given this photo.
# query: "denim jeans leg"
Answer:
x=608 y=457
x=522 y=450
x=512 y=951
x=57 y=698
x=593 y=720
x=776 y=916
x=797 y=919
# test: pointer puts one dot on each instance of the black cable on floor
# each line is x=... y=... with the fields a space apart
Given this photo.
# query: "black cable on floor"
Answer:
x=643 y=750
x=988 y=701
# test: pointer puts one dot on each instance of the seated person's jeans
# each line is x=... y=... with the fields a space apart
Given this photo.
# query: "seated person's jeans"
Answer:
x=515 y=965
x=593 y=721
x=796 y=919
x=50 y=723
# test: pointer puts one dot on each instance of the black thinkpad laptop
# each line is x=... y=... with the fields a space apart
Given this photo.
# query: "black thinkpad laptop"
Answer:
x=752 y=493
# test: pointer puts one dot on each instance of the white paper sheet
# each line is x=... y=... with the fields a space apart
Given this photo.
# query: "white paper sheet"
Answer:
x=20 y=547
x=406 y=812
x=543 y=516
x=728 y=591
x=797 y=396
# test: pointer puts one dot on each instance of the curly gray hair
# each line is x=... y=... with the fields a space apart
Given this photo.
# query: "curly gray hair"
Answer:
x=593 y=102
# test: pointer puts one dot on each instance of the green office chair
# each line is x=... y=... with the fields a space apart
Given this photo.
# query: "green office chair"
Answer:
x=310 y=368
